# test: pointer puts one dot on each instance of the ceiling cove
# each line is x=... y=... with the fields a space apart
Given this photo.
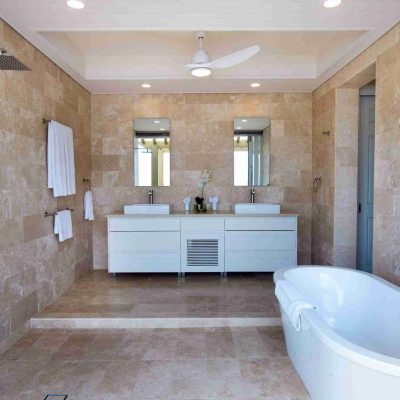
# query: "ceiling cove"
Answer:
x=117 y=46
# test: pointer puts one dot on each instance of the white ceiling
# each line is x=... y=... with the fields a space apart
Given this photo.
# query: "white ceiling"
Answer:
x=115 y=46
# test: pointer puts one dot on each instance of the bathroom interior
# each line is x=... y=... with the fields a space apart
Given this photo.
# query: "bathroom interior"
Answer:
x=200 y=200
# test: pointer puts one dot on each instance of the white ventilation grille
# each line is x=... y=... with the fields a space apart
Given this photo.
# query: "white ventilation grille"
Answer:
x=202 y=252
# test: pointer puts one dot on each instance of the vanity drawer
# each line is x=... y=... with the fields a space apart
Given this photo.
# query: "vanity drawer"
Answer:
x=145 y=241
x=261 y=224
x=260 y=240
x=200 y=223
x=259 y=261
x=144 y=224
x=141 y=262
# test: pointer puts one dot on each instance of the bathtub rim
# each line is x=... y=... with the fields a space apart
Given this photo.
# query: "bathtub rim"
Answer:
x=352 y=351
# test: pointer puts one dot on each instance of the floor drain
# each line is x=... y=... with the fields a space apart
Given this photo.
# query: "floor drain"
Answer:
x=56 y=397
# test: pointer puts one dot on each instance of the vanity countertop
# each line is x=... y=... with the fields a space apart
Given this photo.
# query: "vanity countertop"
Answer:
x=183 y=214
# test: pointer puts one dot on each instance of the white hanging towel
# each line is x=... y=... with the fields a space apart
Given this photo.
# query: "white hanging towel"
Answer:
x=60 y=159
x=292 y=302
x=63 y=225
x=88 y=205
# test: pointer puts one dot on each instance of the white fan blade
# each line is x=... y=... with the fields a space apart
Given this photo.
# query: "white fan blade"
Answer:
x=234 y=58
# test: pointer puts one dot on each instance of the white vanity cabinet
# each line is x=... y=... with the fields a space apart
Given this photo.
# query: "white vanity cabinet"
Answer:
x=183 y=243
x=138 y=244
x=262 y=244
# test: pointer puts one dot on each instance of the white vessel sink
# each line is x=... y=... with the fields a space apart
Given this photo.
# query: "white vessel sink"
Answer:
x=147 y=209
x=257 y=208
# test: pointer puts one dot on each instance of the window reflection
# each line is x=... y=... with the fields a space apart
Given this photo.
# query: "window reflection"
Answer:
x=152 y=152
x=251 y=151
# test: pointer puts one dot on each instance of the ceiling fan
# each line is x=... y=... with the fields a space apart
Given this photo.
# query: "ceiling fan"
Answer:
x=201 y=65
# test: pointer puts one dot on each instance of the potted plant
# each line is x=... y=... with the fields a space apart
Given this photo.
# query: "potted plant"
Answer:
x=204 y=179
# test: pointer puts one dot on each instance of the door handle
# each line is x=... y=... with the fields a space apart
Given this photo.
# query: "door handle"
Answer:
x=359 y=208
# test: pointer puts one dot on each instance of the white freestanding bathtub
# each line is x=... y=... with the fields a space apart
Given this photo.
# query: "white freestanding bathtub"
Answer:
x=348 y=347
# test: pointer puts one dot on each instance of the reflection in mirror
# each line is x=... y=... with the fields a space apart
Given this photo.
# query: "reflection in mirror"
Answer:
x=251 y=151
x=152 y=151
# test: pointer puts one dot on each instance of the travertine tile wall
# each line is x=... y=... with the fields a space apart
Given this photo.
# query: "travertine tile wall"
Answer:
x=326 y=111
x=323 y=162
x=201 y=137
x=335 y=150
x=387 y=166
x=34 y=268
x=346 y=178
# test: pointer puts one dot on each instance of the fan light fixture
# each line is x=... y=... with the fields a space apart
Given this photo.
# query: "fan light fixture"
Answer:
x=77 y=4
x=332 y=3
x=201 y=72
x=146 y=85
x=201 y=65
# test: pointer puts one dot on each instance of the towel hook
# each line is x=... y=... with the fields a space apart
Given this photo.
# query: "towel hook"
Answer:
x=87 y=182
x=317 y=184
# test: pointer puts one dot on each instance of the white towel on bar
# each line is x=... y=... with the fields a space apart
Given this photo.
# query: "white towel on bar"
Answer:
x=88 y=205
x=60 y=159
x=286 y=294
x=63 y=225
x=291 y=301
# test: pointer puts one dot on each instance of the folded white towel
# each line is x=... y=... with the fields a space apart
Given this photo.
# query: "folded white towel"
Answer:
x=295 y=313
x=88 y=205
x=291 y=301
x=286 y=294
x=63 y=225
x=60 y=159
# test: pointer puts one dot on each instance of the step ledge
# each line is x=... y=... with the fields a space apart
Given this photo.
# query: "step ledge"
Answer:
x=149 y=323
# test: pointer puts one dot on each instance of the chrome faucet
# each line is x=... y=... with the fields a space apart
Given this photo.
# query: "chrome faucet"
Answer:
x=252 y=195
x=151 y=196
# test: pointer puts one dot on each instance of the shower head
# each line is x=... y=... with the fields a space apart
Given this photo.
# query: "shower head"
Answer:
x=10 y=63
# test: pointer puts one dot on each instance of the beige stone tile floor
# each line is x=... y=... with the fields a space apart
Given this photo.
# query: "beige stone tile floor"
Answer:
x=98 y=294
x=166 y=364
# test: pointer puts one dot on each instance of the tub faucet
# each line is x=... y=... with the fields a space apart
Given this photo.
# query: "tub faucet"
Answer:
x=253 y=195
x=151 y=192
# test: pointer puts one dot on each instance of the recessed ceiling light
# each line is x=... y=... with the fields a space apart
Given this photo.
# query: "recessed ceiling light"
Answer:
x=201 y=72
x=146 y=85
x=239 y=127
x=255 y=84
x=156 y=121
x=244 y=120
x=332 y=3
x=162 y=129
x=77 y=4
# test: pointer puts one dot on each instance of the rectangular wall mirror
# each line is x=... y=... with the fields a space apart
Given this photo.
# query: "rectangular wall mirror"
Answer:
x=152 y=152
x=251 y=151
